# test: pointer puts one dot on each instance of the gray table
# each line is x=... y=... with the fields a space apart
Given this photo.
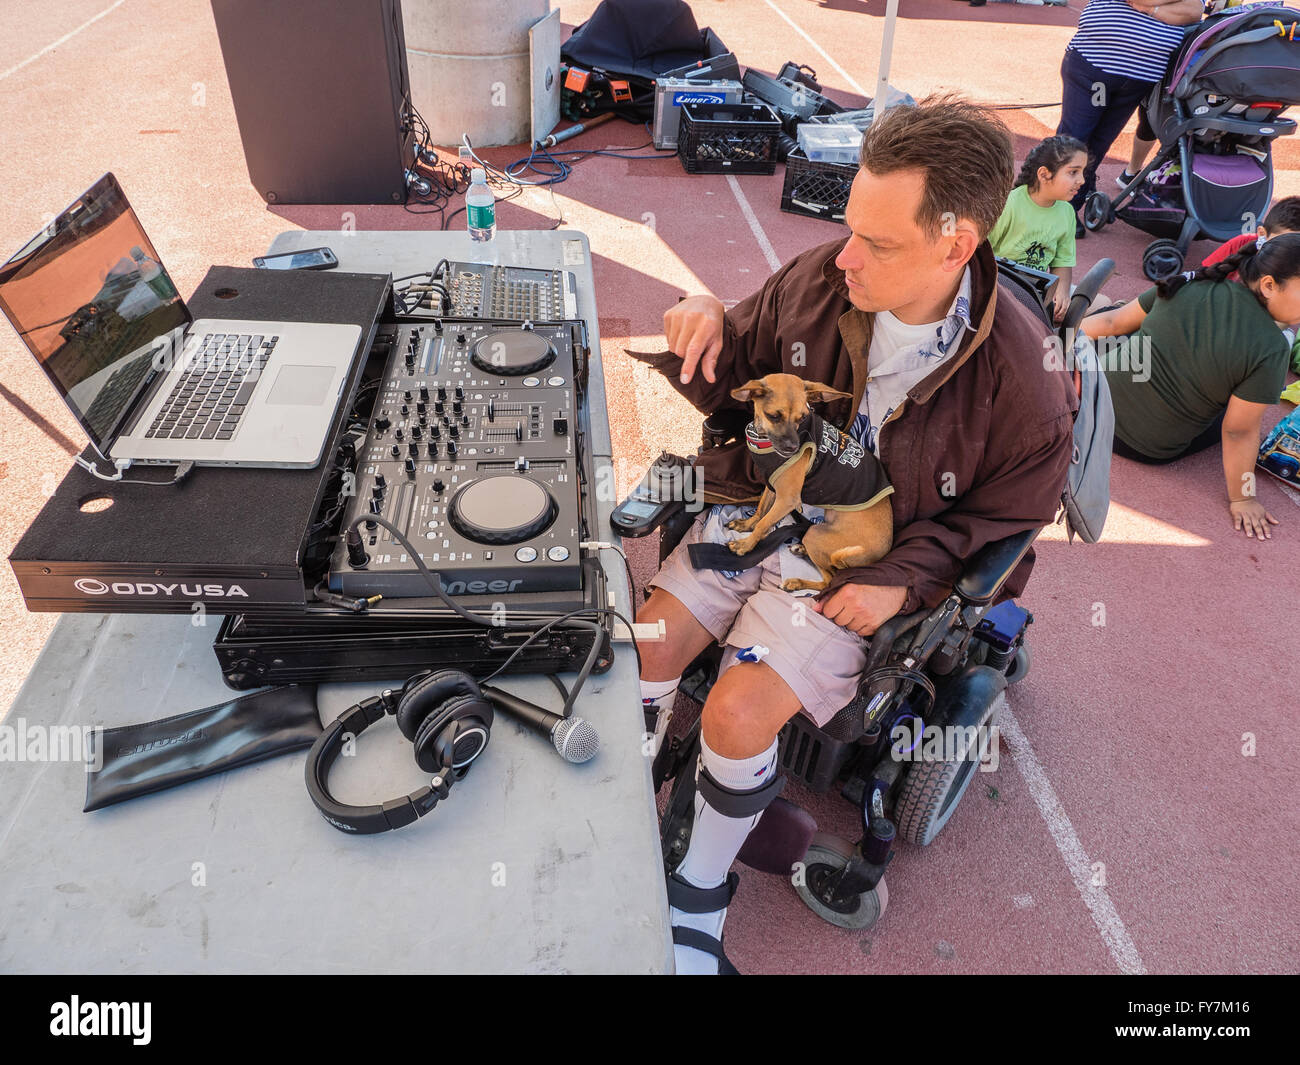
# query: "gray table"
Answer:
x=531 y=865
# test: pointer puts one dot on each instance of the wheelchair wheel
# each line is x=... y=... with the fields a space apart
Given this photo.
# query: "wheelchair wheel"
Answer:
x=1019 y=667
x=931 y=790
x=826 y=856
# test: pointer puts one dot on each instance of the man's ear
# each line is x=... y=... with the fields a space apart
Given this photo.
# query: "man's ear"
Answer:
x=749 y=390
x=816 y=392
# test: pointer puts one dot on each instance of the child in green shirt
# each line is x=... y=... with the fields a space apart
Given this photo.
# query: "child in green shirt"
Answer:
x=1037 y=225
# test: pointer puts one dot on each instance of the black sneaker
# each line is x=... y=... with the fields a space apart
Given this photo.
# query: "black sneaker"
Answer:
x=1125 y=179
x=1079 y=231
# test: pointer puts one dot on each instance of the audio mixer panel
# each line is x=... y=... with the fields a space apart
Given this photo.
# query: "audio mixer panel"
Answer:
x=472 y=452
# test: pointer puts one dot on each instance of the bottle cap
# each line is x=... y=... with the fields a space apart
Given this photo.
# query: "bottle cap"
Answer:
x=478 y=174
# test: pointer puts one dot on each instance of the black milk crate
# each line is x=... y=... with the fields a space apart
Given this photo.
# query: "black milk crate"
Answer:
x=728 y=138
x=819 y=190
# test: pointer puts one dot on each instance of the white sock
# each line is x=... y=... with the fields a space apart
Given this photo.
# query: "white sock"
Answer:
x=715 y=842
x=657 y=697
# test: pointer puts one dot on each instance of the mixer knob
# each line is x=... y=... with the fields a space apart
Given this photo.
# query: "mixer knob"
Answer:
x=405 y=410
x=439 y=407
x=382 y=422
x=376 y=491
x=414 y=449
x=442 y=392
x=433 y=449
x=424 y=393
x=410 y=467
x=380 y=482
x=460 y=393
x=397 y=433
x=457 y=407
x=397 y=450
x=451 y=449
x=464 y=419
x=460 y=338
x=435 y=432
x=455 y=431
x=408 y=394
x=415 y=432
x=421 y=407
x=438 y=486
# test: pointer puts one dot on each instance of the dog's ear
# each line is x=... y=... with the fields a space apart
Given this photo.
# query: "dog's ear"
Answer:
x=749 y=390
x=816 y=392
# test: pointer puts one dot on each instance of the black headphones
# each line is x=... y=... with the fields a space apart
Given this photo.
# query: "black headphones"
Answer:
x=443 y=713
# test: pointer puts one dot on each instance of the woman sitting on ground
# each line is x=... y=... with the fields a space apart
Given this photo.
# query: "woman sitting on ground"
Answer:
x=1202 y=359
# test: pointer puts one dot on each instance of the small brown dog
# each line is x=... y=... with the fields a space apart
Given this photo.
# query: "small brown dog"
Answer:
x=804 y=459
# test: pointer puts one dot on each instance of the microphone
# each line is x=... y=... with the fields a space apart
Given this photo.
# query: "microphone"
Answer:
x=573 y=737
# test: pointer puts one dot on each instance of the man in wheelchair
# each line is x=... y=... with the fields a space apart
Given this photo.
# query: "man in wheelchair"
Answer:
x=950 y=391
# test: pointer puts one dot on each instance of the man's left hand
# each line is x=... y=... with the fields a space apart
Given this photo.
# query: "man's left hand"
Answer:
x=861 y=608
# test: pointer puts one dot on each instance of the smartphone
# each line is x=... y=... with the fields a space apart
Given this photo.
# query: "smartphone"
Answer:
x=308 y=259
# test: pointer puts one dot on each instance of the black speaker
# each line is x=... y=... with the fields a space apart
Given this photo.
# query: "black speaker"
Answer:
x=320 y=91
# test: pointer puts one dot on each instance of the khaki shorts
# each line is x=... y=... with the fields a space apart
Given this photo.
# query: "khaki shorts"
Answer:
x=821 y=662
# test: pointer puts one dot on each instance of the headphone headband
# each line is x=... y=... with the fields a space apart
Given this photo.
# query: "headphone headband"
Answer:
x=367 y=820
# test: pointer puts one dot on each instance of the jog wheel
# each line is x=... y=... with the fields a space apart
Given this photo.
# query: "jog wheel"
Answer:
x=512 y=354
x=504 y=509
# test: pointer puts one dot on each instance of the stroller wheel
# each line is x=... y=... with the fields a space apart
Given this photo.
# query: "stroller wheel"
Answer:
x=1097 y=211
x=1161 y=259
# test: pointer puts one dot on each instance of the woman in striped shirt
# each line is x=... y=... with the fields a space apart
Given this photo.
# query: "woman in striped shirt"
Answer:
x=1120 y=50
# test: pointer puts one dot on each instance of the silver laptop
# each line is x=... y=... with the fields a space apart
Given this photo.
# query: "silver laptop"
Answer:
x=92 y=301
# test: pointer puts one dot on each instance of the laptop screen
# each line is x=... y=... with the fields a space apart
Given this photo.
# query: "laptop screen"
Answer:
x=90 y=298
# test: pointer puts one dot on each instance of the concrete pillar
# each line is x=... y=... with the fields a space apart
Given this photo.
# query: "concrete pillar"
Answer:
x=468 y=61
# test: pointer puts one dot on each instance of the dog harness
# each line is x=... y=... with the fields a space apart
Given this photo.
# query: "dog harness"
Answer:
x=842 y=471
x=843 y=476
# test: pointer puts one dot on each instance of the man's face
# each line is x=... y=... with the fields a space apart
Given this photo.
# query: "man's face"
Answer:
x=888 y=261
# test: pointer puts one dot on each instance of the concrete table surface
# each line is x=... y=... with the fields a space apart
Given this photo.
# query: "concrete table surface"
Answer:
x=531 y=865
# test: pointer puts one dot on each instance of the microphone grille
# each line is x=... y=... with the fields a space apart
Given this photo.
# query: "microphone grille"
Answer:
x=576 y=740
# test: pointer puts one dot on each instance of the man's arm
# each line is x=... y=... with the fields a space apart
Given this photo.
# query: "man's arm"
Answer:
x=746 y=349
x=928 y=556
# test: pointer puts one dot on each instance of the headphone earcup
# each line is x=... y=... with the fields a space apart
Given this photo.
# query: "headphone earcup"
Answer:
x=454 y=734
x=425 y=691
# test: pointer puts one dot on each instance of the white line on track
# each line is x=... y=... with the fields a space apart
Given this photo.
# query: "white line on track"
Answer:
x=769 y=253
x=852 y=82
x=1104 y=914
x=65 y=37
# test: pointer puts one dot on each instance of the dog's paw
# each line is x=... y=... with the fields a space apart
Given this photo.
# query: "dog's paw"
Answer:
x=797 y=584
x=798 y=550
x=742 y=546
x=741 y=524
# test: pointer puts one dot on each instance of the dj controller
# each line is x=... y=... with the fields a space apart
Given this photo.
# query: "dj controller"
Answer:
x=472 y=451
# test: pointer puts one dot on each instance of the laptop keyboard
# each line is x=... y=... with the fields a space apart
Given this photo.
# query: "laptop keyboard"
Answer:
x=209 y=399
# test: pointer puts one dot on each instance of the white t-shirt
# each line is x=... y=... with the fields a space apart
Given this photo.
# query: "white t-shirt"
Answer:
x=900 y=356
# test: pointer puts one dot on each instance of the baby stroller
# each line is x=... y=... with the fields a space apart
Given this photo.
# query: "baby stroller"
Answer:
x=1216 y=115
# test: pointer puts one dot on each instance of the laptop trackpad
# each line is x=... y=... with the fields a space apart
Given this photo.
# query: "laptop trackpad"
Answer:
x=303 y=386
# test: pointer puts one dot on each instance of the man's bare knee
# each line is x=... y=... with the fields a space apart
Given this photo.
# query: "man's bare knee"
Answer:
x=746 y=709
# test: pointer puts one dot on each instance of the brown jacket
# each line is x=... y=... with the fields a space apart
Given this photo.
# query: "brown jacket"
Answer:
x=978 y=451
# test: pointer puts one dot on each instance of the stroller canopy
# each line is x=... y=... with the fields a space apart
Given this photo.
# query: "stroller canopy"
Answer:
x=1247 y=55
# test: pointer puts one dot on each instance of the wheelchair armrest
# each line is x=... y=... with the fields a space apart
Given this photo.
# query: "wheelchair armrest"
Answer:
x=1085 y=292
x=985 y=574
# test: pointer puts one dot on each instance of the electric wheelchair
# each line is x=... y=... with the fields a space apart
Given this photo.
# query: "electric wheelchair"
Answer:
x=945 y=668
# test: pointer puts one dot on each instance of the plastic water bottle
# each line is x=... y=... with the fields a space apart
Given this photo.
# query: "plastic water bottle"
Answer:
x=480 y=207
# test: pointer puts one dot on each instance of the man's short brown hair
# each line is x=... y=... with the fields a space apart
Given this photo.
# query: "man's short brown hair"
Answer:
x=963 y=150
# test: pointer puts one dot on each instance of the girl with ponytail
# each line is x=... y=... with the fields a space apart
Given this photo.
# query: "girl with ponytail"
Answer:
x=1200 y=358
x=1037 y=225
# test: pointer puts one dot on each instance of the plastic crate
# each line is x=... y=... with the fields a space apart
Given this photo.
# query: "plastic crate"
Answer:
x=818 y=190
x=728 y=138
